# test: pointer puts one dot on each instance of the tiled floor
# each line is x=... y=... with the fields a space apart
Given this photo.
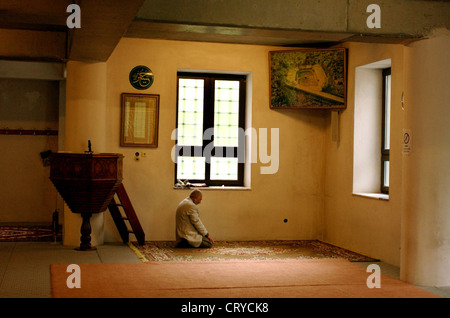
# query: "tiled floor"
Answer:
x=25 y=266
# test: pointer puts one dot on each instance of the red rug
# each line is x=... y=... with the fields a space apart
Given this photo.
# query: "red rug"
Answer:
x=311 y=278
x=27 y=233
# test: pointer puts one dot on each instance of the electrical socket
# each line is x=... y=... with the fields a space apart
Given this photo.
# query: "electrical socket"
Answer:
x=138 y=155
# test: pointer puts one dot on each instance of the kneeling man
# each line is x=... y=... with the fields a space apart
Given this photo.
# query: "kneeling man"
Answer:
x=190 y=231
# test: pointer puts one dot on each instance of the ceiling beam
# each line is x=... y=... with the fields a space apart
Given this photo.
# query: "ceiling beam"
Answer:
x=228 y=34
x=34 y=45
x=103 y=23
x=288 y=22
x=37 y=30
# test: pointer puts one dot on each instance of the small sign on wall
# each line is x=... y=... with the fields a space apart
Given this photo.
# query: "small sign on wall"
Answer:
x=407 y=141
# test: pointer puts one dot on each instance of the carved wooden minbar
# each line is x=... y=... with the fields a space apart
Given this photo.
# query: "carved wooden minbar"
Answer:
x=87 y=182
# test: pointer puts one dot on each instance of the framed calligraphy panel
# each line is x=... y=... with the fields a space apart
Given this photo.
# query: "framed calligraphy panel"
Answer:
x=139 y=120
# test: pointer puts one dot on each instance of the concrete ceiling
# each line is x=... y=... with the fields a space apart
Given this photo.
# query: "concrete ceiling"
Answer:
x=37 y=30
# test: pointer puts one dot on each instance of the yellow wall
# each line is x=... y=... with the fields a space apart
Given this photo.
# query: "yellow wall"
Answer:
x=294 y=193
x=366 y=225
x=313 y=186
x=85 y=119
x=426 y=180
x=27 y=194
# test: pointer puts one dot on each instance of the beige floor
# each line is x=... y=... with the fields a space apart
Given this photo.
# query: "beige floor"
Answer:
x=25 y=266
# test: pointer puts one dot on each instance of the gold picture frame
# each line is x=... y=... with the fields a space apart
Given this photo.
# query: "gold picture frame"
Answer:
x=139 y=120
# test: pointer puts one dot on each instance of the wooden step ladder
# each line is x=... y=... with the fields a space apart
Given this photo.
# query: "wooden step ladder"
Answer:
x=130 y=216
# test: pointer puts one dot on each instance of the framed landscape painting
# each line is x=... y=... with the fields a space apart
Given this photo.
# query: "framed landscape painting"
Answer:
x=308 y=78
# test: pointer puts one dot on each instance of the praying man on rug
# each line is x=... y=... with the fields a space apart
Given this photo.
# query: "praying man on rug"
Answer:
x=190 y=231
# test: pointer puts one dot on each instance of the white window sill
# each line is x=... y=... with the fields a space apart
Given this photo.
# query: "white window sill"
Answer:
x=215 y=188
x=378 y=196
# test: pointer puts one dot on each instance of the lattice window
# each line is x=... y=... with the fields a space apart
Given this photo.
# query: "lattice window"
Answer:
x=210 y=126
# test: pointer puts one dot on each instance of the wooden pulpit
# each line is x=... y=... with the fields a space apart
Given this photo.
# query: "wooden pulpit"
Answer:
x=87 y=182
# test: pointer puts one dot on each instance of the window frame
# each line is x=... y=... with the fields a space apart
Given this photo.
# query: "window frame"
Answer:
x=384 y=150
x=208 y=123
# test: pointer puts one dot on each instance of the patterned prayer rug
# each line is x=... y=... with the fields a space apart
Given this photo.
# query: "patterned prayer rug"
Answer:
x=26 y=233
x=245 y=250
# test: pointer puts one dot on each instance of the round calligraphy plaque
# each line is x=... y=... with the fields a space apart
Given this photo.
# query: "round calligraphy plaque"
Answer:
x=141 y=77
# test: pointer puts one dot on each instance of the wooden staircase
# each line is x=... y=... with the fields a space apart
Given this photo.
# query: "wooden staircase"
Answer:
x=129 y=216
